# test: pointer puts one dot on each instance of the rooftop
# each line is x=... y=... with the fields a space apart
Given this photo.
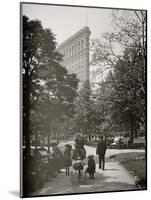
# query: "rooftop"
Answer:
x=84 y=29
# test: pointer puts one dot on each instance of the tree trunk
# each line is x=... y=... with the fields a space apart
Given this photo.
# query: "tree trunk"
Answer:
x=135 y=129
x=57 y=138
x=48 y=141
x=43 y=140
x=26 y=112
x=26 y=127
x=27 y=135
x=132 y=129
x=36 y=140
x=89 y=137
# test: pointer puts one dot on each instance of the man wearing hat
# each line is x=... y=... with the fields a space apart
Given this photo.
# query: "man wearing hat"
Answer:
x=100 y=151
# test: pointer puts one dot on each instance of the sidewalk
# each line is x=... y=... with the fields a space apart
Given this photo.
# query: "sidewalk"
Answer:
x=113 y=178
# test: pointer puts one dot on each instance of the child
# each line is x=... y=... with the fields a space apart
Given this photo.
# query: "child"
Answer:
x=91 y=166
x=67 y=158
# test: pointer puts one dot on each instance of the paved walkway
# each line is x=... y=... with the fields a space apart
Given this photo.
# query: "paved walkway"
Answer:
x=109 y=152
x=114 y=178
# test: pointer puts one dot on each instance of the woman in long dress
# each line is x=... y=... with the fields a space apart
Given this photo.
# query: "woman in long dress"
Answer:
x=68 y=158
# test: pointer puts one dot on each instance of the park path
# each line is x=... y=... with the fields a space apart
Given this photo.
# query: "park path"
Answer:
x=109 y=152
x=114 y=178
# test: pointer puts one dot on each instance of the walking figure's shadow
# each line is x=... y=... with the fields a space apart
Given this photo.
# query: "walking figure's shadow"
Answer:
x=76 y=180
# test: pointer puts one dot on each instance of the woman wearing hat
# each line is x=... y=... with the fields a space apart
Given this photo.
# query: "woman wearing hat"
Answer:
x=67 y=158
x=58 y=157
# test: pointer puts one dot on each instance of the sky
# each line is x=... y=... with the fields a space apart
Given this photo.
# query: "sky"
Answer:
x=64 y=21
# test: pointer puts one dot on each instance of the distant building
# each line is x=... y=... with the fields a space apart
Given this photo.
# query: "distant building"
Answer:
x=76 y=54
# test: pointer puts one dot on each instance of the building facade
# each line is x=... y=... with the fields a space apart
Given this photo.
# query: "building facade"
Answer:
x=75 y=51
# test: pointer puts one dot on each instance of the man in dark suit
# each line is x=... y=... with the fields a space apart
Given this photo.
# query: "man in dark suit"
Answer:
x=100 y=151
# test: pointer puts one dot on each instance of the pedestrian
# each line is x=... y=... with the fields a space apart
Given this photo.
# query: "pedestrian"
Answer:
x=79 y=152
x=91 y=166
x=100 y=151
x=52 y=171
x=57 y=157
x=67 y=158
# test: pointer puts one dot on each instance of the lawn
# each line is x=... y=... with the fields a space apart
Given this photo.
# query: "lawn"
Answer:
x=135 y=163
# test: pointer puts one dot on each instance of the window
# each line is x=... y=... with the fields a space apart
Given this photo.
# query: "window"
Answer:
x=75 y=48
x=69 y=51
x=78 y=45
x=72 y=50
x=82 y=42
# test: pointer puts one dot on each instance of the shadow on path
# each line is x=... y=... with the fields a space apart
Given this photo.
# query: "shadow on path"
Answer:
x=111 y=169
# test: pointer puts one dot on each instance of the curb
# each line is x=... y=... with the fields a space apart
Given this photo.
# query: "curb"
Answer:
x=132 y=177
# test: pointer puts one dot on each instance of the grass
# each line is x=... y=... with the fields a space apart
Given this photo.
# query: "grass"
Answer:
x=135 y=163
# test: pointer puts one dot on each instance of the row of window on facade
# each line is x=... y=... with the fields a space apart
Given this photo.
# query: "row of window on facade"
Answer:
x=76 y=69
x=74 y=49
x=79 y=55
x=77 y=62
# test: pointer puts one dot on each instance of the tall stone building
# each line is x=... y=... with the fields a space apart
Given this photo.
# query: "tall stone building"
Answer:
x=76 y=54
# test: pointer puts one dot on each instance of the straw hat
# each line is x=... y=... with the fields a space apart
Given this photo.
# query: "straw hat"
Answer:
x=91 y=156
x=68 y=146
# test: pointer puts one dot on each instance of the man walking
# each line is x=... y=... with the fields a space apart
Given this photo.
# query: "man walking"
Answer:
x=100 y=151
